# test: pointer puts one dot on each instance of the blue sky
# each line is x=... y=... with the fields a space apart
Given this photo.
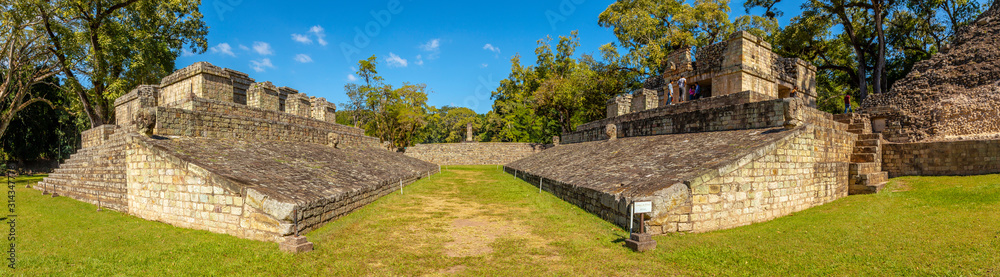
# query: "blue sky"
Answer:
x=460 y=49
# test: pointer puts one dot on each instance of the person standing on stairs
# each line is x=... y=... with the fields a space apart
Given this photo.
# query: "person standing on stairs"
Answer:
x=847 y=103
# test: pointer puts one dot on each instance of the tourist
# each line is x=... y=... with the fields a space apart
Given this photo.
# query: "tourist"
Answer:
x=691 y=94
x=682 y=85
x=794 y=90
x=847 y=103
x=697 y=91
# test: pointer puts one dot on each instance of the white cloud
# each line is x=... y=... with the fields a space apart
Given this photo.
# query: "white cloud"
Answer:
x=396 y=61
x=303 y=58
x=420 y=60
x=320 y=34
x=303 y=39
x=244 y=47
x=186 y=53
x=262 y=48
x=223 y=48
x=491 y=48
x=351 y=78
x=485 y=65
x=432 y=45
x=261 y=65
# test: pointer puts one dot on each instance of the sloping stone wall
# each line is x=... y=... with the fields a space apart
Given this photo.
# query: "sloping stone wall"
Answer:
x=701 y=181
x=971 y=157
x=214 y=119
x=474 y=153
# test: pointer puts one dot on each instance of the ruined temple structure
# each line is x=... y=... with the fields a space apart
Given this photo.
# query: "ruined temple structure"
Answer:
x=212 y=149
x=954 y=95
x=742 y=63
x=750 y=152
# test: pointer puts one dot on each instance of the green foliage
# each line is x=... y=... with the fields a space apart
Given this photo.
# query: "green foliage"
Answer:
x=651 y=29
x=559 y=92
x=39 y=131
x=394 y=115
x=448 y=124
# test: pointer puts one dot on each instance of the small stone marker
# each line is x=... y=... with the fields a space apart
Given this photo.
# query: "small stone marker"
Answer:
x=612 y=131
x=641 y=242
x=295 y=244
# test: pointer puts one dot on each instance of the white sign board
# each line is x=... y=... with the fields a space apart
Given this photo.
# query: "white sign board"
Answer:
x=642 y=207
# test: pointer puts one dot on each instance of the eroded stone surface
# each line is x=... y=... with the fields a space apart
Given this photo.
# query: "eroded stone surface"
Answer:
x=951 y=96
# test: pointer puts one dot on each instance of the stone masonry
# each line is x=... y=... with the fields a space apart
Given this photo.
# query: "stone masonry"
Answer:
x=707 y=165
x=742 y=63
x=475 y=153
x=211 y=149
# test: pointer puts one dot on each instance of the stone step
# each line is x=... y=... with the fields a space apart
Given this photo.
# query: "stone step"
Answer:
x=868 y=179
x=872 y=189
x=868 y=143
x=869 y=136
x=92 y=170
x=88 y=177
x=108 y=185
x=107 y=200
x=864 y=158
x=864 y=168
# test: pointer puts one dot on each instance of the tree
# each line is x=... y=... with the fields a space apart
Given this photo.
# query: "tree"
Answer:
x=651 y=29
x=394 y=115
x=116 y=45
x=24 y=65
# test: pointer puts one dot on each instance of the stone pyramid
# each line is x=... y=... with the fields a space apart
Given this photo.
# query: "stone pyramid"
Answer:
x=954 y=95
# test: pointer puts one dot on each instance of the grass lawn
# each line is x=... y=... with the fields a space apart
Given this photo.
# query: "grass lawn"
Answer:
x=477 y=221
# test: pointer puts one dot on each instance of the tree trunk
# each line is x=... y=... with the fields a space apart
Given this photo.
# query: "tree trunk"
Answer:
x=879 y=83
x=859 y=52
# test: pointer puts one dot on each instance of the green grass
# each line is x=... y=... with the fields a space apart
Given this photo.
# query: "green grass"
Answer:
x=478 y=221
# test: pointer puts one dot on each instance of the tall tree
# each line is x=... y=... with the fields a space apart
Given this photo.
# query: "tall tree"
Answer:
x=651 y=29
x=115 y=45
x=24 y=64
x=394 y=115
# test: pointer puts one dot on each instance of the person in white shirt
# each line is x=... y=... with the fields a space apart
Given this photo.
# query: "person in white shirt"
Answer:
x=682 y=84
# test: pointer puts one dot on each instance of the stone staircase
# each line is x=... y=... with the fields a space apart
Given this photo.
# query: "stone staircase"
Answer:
x=866 y=175
x=94 y=175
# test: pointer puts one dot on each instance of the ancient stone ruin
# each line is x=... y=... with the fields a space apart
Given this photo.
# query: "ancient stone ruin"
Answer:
x=954 y=95
x=212 y=149
x=741 y=63
x=752 y=150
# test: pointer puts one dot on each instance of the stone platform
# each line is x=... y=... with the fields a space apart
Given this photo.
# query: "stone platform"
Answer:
x=760 y=161
x=211 y=149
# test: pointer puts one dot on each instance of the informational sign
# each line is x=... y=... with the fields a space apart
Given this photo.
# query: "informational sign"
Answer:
x=642 y=207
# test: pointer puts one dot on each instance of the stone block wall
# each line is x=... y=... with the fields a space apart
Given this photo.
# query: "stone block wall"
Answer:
x=241 y=83
x=971 y=157
x=619 y=106
x=298 y=104
x=129 y=105
x=263 y=96
x=712 y=114
x=806 y=168
x=201 y=79
x=96 y=136
x=167 y=189
x=202 y=105
x=476 y=153
x=800 y=172
x=183 y=122
x=323 y=110
x=283 y=93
